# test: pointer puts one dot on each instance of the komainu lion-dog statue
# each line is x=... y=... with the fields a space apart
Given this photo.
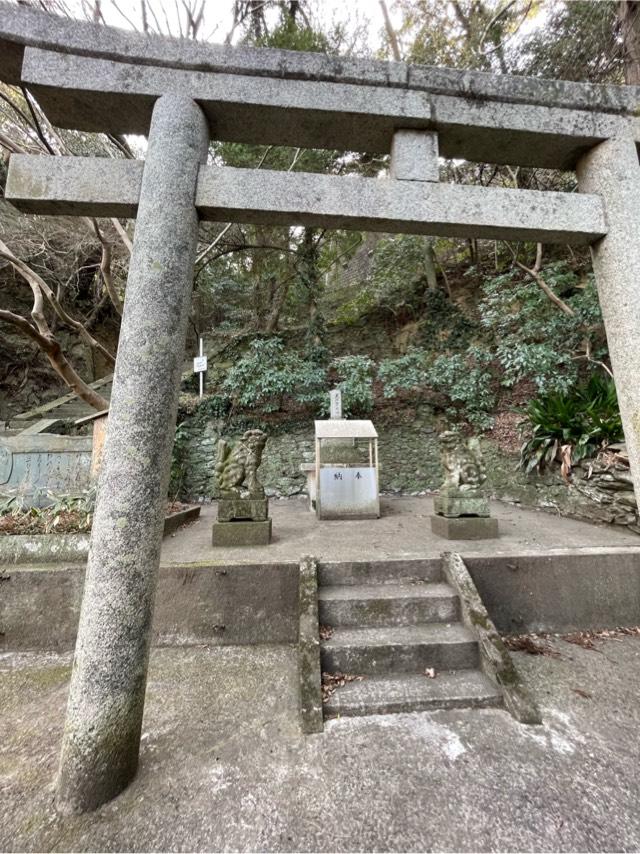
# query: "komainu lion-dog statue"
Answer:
x=237 y=465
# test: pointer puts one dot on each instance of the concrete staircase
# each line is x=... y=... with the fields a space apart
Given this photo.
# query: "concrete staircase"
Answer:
x=390 y=621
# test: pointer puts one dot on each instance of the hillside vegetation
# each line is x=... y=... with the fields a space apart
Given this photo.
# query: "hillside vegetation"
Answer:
x=500 y=339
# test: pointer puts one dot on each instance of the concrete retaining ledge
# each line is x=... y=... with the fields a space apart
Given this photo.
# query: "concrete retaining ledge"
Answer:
x=495 y=659
x=213 y=603
x=229 y=603
x=43 y=548
x=182 y=517
x=309 y=671
x=53 y=548
x=562 y=590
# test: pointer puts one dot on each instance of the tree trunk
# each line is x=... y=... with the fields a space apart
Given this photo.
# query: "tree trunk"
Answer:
x=59 y=362
x=430 y=264
x=312 y=283
x=278 y=296
x=629 y=17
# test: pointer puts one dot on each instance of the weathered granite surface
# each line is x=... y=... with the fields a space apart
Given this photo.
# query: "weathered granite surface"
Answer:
x=612 y=170
x=241 y=532
x=20 y=26
x=113 y=78
x=106 y=701
x=243 y=508
x=465 y=527
x=71 y=185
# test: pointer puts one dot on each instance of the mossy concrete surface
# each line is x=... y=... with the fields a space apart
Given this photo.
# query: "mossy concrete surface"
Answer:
x=241 y=532
x=309 y=674
x=542 y=572
x=465 y=527
x=225 y=767
x=43 y=548
x=495 y=659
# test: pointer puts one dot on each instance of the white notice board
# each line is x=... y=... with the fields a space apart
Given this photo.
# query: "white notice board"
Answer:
x=346 y=491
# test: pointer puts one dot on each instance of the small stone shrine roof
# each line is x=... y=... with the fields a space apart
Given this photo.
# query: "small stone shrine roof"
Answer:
x=341 y=428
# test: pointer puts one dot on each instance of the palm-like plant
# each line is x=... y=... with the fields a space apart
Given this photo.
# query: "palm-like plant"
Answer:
x=572 y=425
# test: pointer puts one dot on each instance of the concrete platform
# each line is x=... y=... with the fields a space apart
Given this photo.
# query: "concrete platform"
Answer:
x=403 y=531
x=224 y=766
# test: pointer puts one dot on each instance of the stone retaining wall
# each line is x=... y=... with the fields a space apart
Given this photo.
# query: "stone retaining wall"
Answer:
x=409 y=460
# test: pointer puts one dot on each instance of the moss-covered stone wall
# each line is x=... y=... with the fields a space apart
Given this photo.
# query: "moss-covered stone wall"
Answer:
x=409 y=462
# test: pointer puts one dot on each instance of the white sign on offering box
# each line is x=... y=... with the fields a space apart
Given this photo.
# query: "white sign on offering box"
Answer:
x=349 y=491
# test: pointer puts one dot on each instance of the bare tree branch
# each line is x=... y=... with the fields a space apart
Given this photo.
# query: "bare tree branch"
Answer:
x=534 y=272
x=41 y=291
x=105 y=266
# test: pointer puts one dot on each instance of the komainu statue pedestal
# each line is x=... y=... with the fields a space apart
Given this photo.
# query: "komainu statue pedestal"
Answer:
x=243 y=514
x=462 y=510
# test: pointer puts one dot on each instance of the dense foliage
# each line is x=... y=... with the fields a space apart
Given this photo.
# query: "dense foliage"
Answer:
x=269 y=373
x=578 y=423
x=475 y=327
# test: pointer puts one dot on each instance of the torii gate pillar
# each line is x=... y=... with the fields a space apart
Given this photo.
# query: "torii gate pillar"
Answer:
x=104 y=716
x=612 y=171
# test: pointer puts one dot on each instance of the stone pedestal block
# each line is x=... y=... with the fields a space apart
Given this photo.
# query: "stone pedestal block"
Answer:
x=465 y=527
x=254 y=509
x=458 y=504
x=241 y=533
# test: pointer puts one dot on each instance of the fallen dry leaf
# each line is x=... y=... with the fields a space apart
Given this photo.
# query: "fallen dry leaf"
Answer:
x=332 y=681
x=533 y=643
x=530 y=644
x=581 y=693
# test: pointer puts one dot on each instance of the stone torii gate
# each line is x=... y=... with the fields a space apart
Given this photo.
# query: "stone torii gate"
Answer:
x=182 y=94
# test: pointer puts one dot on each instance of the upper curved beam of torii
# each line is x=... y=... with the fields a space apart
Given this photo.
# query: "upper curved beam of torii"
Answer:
x=97 y=78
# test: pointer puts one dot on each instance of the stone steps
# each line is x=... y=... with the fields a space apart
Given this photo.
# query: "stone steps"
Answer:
x=375 y=695
x=387 y=604
x=391 y=622
x=399 y=649
x=379 y=572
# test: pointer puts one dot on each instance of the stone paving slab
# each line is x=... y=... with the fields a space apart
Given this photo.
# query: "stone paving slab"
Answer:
x=403 y=531
x=224 y=766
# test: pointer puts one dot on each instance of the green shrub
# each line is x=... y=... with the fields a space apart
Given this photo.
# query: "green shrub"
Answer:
x=355 y=383
x=349 y=313
x=532 y=338
x=582 y=420
x=464 y=380
x=467 y=384
x=404 y=373
x=268 y=373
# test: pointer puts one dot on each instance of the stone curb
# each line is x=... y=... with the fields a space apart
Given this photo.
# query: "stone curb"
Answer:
x=309 y=673
x=495 y=659
x=174 y=520
x=43 y=548
x=52 y=548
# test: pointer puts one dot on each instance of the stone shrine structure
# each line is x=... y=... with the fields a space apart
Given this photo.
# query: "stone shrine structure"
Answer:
x=182 y=94
x=243 y=513
x=462 y=507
